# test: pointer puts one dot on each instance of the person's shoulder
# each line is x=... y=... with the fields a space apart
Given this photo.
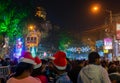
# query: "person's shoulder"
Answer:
x=11 y=80
x=34 y=79
x=87 y=66
x=102 y=68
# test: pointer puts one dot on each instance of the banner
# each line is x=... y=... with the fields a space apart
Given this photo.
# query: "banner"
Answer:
x=108 y=43
x=118 y=31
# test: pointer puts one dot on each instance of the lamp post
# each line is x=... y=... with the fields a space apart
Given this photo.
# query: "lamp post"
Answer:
x=110 y=13
x=95 y=9
x=111 y=32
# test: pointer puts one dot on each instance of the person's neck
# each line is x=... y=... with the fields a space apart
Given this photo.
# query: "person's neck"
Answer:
x=95 y=63
x=23 y=75
x=61 y=72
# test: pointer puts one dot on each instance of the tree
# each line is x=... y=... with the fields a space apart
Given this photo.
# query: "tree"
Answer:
x=64 y=41
x=13 y=15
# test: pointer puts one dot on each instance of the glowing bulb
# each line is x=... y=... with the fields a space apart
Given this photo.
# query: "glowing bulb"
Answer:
x=95 y=8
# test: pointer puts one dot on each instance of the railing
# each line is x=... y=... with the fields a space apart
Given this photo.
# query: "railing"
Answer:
x=4 y=72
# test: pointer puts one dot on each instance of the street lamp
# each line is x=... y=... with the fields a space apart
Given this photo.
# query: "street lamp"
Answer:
x=95 y=8
x=31 y=27
x=110 y=13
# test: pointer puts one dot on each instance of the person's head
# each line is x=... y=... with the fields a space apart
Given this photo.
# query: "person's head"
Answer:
x=36 y=72
x=26 y=64
x=60 y=62
x=81 y=63
x=118 y=69
x=27 y=58
x=94 y=58
x=7 y=59
x=23 y=67
x=38 y=67
x=1 y=59
x=112 y=69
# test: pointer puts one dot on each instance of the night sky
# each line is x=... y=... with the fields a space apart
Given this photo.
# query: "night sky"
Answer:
x=75 y=15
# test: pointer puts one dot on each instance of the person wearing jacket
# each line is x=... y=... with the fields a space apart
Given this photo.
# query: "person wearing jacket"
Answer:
x=59 y=66
x=93 y=72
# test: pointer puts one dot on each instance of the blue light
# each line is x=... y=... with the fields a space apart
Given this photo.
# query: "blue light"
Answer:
x=18 y=49
x=33 y=51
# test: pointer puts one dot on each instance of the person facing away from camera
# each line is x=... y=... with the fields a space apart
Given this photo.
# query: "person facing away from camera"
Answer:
x=59 y=66
x=24 y=70
x=93 y=72
x=39 y=70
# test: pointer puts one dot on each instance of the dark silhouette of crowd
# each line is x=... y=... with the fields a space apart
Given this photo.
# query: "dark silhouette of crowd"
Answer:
x=59 y=69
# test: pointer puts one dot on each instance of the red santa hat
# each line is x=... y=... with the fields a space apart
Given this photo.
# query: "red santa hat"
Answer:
x=27 y=58
x=60 y=61
x=55 y=55
x=38 y=62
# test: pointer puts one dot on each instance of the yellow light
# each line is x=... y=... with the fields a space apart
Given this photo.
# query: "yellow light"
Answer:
x=105 y=51
x=31 y=27
x=95 y=8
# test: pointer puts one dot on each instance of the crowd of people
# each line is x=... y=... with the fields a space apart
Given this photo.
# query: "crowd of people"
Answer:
x=59 y=69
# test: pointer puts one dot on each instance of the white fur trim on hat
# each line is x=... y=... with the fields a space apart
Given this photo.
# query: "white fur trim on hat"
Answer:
x=60 y=67
x=37 y=66
x=51 y=57
x=27 y=61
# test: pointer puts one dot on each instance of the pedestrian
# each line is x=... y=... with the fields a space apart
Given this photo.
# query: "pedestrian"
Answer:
x=39 y=70
x=59 y=65
x=73 y=74
x=24 y=70
x=93 y=72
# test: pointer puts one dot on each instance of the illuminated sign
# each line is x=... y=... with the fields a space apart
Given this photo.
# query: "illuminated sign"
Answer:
x=117 y=31
x=108 y=43
x=105 y=51
x=99 y=43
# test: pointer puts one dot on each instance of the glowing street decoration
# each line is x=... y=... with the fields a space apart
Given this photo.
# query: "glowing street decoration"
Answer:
x=85 y=49
x=99 y=43
x=18 y=50
x=105 y=51
x=108 y=43
x=118 y=31
x=79 y=49
x=45 y=54
x=32 y=40
x=33 y=51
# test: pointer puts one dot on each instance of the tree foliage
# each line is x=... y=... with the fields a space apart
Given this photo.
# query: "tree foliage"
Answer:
x=64 y=41
x=13 y=15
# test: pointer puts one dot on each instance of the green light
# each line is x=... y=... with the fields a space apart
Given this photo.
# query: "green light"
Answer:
x=12 y=19
x=65 y=41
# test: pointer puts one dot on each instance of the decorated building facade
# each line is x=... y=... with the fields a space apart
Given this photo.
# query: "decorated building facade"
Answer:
x=104 y=38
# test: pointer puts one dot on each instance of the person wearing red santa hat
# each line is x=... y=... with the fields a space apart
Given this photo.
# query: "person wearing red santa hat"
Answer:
x=38 y=71
x=24 y=70
x=59 y=65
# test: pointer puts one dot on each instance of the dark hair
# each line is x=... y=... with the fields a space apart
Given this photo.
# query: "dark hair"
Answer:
x=112 y=69
x=7 y=59
x=21 y=67
x=36 y=72
x=92 y=57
